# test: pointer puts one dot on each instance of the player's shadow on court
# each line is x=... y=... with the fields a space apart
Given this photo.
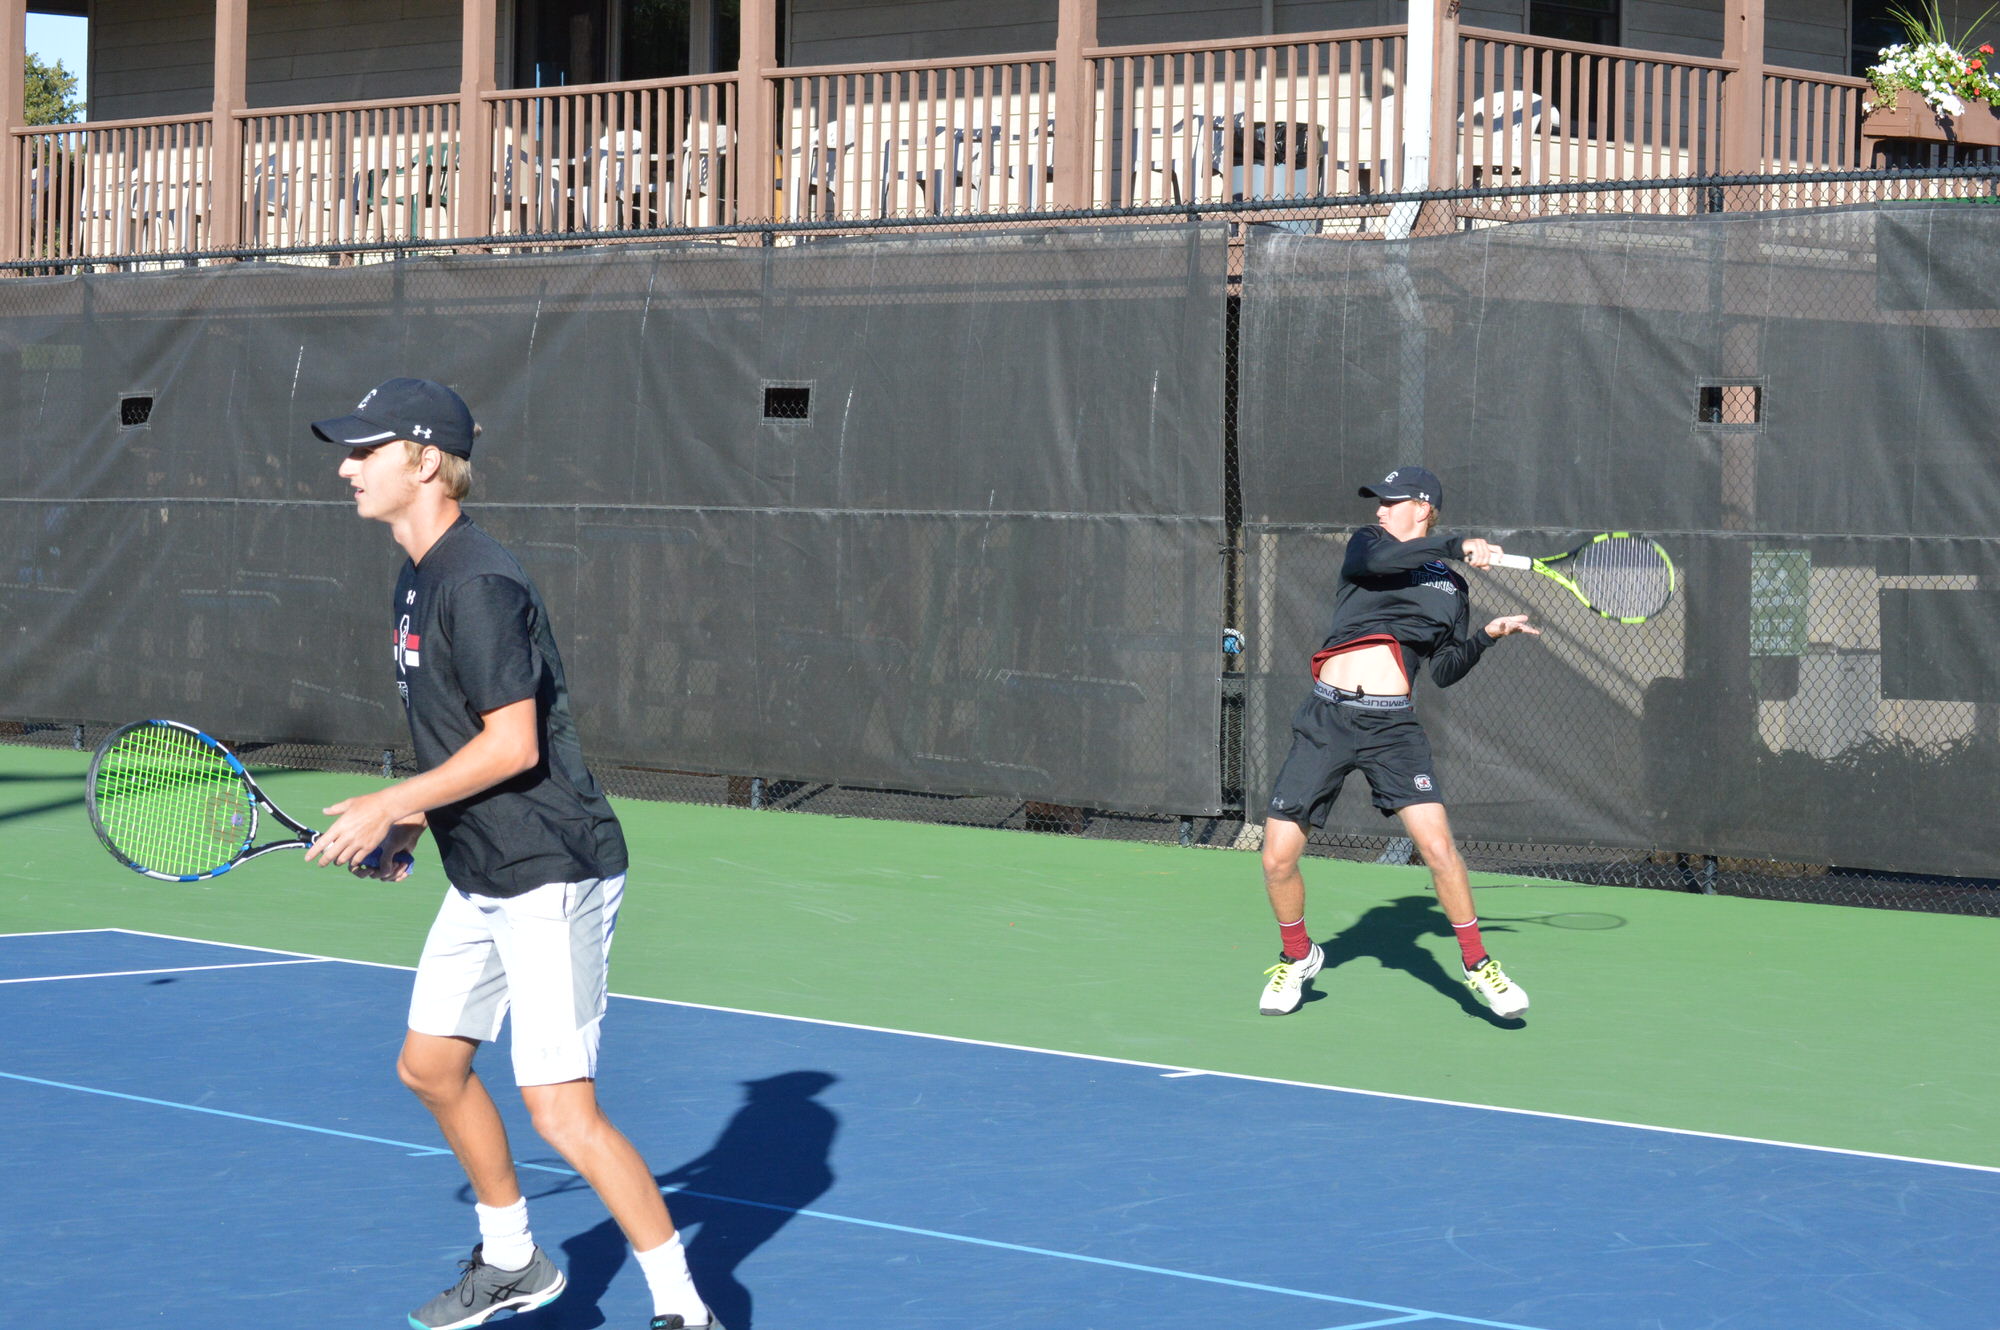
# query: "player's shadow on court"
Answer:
x=1389 y=933
x=772 y=1160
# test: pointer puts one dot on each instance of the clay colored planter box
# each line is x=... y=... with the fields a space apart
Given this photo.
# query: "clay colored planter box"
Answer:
x=1912 y=118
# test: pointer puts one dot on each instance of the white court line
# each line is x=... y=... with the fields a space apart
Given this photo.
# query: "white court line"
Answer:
x=67 y=932
x=175 y=969
x=1171 y=1067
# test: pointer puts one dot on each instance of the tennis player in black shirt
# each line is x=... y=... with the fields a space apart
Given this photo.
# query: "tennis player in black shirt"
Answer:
x=533 y=854
x=1399 y=603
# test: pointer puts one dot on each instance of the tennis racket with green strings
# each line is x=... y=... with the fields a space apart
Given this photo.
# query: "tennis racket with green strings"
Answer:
x=1619 y=575
x=172 y=803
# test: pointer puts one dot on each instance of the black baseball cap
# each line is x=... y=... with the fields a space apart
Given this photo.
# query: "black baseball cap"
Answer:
x=1407 y=482
x=414 y=409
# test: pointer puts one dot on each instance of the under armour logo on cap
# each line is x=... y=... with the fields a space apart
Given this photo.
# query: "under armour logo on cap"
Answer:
x=415 y=409
x=1407 y=482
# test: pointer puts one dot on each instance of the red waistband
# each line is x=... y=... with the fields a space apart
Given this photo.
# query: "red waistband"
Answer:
x=1322 y=656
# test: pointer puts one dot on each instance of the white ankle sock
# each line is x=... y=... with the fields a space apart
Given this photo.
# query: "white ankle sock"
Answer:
x=666 y=1271
x=504 y=1235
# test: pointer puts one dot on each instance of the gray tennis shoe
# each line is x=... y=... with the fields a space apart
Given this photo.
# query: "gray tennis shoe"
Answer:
x=676 y=1322
x=484 y=1291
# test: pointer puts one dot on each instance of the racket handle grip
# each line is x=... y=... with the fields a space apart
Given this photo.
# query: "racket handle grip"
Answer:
x=1520 y=562
x=374 y=860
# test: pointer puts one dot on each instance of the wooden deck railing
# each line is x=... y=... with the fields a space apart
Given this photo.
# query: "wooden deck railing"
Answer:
x=1812 y=122
x=1533 y=111
x=1273 y=118
x=915 y=139
x=115 y=187
x=351 y=173
x=614 y=156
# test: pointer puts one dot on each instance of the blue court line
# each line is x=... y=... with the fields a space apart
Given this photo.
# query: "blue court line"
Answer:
x=240 y=1117
x=1408 y=1314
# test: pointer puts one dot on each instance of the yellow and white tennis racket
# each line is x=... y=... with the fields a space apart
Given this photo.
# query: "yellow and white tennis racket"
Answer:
x=1619 y=575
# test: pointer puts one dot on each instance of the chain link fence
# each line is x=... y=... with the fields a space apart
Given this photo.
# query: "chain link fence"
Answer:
x=1833 y=643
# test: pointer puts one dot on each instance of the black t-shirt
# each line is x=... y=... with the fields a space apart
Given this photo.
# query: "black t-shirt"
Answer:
x=1403 y=591
x=472 y=635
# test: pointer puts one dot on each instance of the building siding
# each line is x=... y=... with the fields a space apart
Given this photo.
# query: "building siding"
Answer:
x=839 y=32
x=151 y=58
x=155 y=57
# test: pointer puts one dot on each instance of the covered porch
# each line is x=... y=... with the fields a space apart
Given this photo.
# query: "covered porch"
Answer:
x=1427 y=104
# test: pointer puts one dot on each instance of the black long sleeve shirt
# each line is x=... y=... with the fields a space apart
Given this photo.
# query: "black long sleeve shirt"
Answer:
x=1403 y=592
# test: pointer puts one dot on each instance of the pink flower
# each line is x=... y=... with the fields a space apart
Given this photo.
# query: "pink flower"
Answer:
x=1986 y=49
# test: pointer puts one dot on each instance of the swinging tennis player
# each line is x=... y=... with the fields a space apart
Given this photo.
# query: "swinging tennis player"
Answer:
x=1398 y=603
x=532 y=851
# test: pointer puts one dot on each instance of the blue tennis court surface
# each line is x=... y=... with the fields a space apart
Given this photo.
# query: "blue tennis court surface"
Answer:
x=208 y=1136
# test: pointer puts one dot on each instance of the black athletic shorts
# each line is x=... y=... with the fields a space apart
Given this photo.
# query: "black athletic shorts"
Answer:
x=1331 y=737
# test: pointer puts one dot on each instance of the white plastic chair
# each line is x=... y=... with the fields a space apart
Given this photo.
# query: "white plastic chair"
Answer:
x=1499 y=132
x=624 y=192
x=700 y=171
x=1187 y=152
x=930 y=161
x=1009 y=168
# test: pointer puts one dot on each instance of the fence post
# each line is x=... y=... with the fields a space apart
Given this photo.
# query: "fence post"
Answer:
x=1076 y=104
x=13 y=97
x=755 y=159
x=1743 y=87
x=474 y=186
x=225 y=135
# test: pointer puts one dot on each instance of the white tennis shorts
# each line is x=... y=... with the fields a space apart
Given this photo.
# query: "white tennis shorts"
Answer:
x=544 y=954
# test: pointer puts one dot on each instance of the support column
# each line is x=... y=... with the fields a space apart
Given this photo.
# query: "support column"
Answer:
x=13 y=96
x=754 y=161
x=1429 y=95
x=475 y=130
x=1076 y=104
x=225 y=134
x=1743 y=87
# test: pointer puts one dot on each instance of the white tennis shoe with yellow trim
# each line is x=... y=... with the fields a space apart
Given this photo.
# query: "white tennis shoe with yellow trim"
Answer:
x=1490 y=984
x=1288 y=982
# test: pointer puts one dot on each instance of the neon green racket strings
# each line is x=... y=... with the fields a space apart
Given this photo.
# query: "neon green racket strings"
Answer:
x=172 y=804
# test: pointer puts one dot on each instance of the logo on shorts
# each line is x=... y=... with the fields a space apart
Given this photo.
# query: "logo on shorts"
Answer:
x=1423 y=783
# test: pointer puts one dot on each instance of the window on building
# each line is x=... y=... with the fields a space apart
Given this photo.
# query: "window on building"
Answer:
x=558 y=43
x=1871 y=28
x=1594 y=21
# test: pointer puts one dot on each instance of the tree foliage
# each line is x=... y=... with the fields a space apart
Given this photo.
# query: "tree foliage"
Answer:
x=51 y=90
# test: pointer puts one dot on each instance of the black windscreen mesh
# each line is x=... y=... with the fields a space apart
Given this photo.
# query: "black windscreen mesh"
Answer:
x=974 y=547
x=1793 y=404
